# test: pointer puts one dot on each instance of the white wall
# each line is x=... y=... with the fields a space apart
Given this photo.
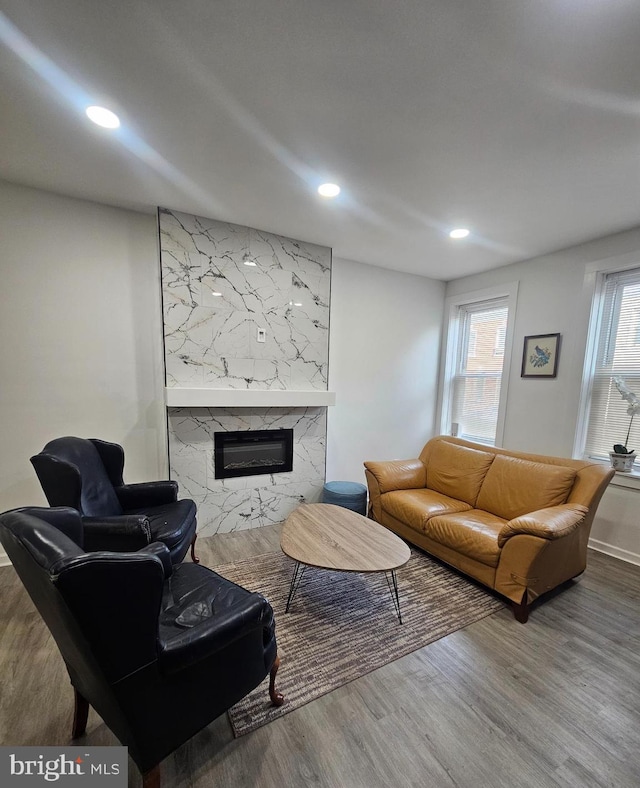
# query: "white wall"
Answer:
x=80 y=354
x=541 y=414
x=81 y=350
x=383 y=365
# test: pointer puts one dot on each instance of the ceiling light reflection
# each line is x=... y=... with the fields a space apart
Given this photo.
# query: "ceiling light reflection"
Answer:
x=460 y=232
x=329 y=189
x=102 y=116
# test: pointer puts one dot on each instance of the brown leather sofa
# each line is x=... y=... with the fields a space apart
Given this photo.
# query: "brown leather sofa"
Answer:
x=518 y=523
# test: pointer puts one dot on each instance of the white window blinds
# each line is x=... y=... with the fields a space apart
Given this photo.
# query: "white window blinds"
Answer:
x=478 y=372
x=617 y=355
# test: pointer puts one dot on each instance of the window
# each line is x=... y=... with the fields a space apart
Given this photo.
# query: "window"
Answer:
x=472 y=343
x=477 y=353
x=617 y=354
x=501 y=335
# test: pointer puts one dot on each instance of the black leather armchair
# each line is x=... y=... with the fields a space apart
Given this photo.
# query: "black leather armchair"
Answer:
x=158 y=650
x=86 y=474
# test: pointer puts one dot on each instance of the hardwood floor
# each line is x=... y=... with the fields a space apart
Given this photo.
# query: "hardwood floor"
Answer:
x=555 y=702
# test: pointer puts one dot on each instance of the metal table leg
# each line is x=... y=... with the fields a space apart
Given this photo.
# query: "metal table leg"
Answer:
x=298 y=572
x=393 y=589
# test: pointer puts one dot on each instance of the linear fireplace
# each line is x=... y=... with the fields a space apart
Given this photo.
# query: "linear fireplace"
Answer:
x=252 y=452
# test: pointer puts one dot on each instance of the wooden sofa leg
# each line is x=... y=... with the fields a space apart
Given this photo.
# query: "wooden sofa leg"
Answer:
x=151 y=779
x=521 y=611
x=194 y=558
x=276 y=697
x=80 y=715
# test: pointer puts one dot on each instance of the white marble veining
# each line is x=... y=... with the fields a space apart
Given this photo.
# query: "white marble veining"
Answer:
x=212 y=340
x=214 y=306
x=248 y=501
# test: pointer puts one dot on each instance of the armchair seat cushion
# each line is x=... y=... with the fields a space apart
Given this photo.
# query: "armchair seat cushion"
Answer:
x=169 y=522
x=203 y=612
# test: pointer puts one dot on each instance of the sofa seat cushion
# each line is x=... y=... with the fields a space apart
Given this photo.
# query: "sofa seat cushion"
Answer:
x=457 y=471
x=415 y=507
x=513 y=487
x=473 y=533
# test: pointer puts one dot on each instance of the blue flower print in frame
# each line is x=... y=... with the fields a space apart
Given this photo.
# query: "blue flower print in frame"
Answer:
x=540 y=356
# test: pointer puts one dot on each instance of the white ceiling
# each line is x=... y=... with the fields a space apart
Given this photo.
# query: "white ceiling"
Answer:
x=517 y=118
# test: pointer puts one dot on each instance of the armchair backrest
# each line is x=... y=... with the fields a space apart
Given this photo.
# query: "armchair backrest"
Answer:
x=102 y=608
x=72 y=473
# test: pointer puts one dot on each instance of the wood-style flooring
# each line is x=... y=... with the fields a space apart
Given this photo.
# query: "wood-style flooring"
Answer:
x=554 y=702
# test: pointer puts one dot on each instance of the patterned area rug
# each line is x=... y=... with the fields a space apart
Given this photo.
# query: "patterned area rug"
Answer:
x=341 y=626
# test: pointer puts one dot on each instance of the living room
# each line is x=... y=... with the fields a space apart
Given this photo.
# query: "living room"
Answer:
x=83 y=355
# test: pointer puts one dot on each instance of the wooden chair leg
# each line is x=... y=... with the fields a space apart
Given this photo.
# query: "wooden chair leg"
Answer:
x=151 y=779
x=276 y=697
x=194 y=558
x=80 y=715
x=521 y=611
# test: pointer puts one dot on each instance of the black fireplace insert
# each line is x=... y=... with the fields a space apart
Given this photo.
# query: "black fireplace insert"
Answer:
x=252 y=452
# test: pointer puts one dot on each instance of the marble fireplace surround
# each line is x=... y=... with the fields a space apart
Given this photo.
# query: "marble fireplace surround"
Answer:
x=220 y=376
x=244 y=502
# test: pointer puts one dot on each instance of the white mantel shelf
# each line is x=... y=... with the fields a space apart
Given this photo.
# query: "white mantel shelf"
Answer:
x=182 y=397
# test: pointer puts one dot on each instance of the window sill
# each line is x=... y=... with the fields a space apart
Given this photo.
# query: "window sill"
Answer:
x=630 y=480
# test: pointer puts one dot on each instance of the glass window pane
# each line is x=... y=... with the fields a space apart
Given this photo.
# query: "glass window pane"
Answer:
x=476 y=386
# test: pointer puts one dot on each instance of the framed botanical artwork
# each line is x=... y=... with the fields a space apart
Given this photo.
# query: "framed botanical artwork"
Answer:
x=540 y=356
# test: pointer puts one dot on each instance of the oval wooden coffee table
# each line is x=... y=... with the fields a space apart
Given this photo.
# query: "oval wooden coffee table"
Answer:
x=332 y=537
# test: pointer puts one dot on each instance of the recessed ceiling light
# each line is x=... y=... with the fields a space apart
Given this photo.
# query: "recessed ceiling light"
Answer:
x=329 y=189
x=248 y=261
x=460 y=232
x=297 y=303
x=215 y=293
x=103 y=117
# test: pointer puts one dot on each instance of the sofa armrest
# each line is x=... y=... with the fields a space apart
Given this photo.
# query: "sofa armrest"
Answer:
x=398 y=474
x=551 y=523
x=384 y=477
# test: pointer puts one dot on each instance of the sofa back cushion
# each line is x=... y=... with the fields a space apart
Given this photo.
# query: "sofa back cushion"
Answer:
x=457 y=471
x=513 y=487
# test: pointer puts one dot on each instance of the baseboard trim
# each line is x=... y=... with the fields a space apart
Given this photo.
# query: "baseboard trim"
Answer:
x=616 y=552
